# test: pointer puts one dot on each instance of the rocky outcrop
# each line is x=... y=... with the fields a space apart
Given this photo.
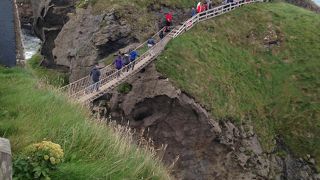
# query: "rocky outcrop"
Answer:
x=199 y=146
x=25 y=13
x=49 y=18
x=77 y=38
x=86 y=38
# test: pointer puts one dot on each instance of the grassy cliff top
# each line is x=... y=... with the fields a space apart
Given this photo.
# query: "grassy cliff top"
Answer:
x=260 y=64
x=29 y=113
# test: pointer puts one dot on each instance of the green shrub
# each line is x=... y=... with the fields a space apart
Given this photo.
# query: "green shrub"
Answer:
x=124 y=88
x=38 y=160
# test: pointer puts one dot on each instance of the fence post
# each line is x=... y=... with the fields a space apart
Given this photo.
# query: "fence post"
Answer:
x=5 y=160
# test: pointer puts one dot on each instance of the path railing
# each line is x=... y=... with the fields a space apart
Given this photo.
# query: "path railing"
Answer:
x=210 y=13
x=108 y=70
x=109 y=82
x=84 y=91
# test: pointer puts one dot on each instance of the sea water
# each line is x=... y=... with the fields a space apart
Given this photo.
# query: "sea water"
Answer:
x=7 y=34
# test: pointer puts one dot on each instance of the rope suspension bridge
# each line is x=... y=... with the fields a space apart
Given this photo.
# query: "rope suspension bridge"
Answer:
x=83 y=91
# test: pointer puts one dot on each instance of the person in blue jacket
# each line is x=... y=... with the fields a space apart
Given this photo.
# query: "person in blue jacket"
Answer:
x=133 y=56
x=193 y=12
x=118 y=64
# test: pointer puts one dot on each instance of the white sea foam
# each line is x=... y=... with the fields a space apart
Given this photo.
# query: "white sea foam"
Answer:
x=31 y=44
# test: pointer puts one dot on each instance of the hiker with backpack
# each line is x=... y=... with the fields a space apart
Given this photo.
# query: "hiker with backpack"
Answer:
x=95 y=76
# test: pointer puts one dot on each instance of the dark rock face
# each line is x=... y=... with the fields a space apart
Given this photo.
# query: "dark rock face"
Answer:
x=77 y=40
x=49 y=18
x=199 y=146
x=25 y=13
x=87 y=38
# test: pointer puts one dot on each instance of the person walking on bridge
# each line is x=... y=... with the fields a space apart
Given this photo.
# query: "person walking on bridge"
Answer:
x=126 y=61
x=133 y=56
x=168 y=17
x=209 y=4
x=95 y=76
x=193 y=12
x=118 y=64
x=151 y=42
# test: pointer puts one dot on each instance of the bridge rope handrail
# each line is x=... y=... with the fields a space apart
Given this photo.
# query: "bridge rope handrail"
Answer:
x=114 y=75
x=79 y=84
x=113 y=79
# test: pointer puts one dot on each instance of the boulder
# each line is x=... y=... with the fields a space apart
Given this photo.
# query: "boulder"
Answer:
x=49 y=18
x=87 y=38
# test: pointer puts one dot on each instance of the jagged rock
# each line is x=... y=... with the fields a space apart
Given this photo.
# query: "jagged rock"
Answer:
x=90 y=37
x=49 y=18
x=297 y=169
x=229 y=133
x=25 y=13
x=207 y=148
x=316 y=177
x=242 y=149
x=312 y=161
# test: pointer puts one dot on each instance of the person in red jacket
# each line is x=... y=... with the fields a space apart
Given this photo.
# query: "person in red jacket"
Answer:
x=168 y=19
x=199 y=7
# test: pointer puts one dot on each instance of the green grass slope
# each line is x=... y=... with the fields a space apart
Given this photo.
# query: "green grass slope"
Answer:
x=29 y=113
x=225 y=64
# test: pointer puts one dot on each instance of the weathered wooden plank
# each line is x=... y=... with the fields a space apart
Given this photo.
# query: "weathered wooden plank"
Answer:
x=5 y=160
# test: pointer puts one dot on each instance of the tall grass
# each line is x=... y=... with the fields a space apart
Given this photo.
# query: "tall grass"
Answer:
x=93 y=150
x=50 y=76
x=224 y=63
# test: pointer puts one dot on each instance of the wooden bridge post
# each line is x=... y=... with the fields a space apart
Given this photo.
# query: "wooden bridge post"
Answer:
x=5 y=160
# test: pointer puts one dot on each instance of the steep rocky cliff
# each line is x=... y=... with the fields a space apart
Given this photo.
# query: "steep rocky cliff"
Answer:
x=25 y=13
x=77 y=38
x=49 y=18
x=90 y=38
x=199 y=146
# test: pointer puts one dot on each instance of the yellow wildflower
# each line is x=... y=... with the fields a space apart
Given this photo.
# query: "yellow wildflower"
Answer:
x=52 y=160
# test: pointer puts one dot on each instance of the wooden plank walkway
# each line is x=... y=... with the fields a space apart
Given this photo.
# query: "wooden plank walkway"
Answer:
x=112 y=81
x=83 y=90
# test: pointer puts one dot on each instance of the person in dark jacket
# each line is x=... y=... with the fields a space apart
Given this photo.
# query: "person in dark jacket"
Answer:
x=126 y=61
x=161 y=34
x=209 y=4
x=95 y=76
x=151 y=42
x=118 y=64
